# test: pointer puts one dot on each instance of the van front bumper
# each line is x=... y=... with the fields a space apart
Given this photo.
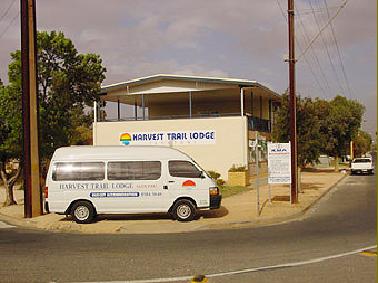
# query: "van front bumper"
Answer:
x=215 y=202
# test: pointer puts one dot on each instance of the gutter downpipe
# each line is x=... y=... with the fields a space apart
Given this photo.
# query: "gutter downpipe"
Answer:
x=245 y=145
x=94 y=138
x=241 y=101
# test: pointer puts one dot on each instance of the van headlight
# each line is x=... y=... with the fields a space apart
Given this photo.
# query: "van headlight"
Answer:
x=214 y=191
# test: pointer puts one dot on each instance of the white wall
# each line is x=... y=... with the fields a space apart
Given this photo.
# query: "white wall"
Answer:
x=230 y=146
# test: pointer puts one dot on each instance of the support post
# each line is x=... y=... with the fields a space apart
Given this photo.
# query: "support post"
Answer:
x=270 y=116
x=143 y=108
x=31 y=169
x=118 y=110
x=136 y=109
x=190 y=105
x=257 y=176
x=252 y=103
x=261 y=107
x=292 y=105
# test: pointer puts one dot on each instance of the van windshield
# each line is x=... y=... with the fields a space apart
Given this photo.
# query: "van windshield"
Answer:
x=199 y=167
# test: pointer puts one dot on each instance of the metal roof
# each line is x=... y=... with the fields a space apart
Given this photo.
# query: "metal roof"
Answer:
x=159 y=77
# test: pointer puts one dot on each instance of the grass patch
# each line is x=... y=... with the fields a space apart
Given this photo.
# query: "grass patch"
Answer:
x=228 y=191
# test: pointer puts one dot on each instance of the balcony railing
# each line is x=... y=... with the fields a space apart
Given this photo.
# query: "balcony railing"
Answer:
x=170 y=117
x=254 y=123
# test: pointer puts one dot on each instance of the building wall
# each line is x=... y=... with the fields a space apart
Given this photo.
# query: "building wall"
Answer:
x=230 y=148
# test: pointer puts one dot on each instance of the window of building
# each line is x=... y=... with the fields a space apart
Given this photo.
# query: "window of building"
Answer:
x=185 y=169
x=134 y=170
x=78 y=171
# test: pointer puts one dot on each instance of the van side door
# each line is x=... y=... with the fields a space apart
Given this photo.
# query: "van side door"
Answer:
x=137 y=186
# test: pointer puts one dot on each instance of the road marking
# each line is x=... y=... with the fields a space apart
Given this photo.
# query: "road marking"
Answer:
x=369 y=253
x=5 y=226
x=247 y=270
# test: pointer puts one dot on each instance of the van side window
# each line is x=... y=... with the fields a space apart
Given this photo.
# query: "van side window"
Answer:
x=185 y=169
x=134 y=170
x=78 y=171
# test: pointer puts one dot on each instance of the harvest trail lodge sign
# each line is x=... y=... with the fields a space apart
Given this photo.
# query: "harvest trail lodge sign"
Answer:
x=168 y=138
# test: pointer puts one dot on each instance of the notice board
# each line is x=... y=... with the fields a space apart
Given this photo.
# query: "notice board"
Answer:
x=279 y=165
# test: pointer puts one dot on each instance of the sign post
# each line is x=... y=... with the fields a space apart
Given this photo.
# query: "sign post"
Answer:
x=257 y=175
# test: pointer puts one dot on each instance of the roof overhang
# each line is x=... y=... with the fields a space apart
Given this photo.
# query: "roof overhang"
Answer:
x=163 y=84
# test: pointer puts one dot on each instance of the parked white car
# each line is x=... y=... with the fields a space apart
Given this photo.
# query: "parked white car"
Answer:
x=84 y=181
x=362 y=166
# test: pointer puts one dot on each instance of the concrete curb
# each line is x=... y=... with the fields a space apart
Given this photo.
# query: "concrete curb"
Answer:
x=282 y=220
x=324 y=193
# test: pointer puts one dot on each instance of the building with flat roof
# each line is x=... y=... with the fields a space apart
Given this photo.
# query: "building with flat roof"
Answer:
x=214 y=120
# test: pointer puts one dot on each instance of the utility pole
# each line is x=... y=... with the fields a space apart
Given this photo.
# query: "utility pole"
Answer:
x=293 y=103
x=32 y=190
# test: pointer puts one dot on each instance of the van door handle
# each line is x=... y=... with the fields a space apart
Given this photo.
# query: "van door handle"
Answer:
x=165 y=187
x=171 y=181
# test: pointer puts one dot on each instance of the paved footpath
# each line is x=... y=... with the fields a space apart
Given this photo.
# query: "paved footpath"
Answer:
x=237 y=211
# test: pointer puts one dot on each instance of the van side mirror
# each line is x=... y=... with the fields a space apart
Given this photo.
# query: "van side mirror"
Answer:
x=203 y=175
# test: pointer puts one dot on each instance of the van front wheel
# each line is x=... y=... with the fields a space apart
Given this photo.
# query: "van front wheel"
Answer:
x=83 y=212
x=184 y=210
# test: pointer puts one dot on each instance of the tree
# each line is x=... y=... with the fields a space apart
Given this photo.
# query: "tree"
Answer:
x=308 y=127
x=341 y=119
x=10 y=138
x=67 y=82
x=362 y=143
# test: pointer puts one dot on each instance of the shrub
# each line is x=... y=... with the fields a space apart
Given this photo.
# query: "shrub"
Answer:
x=235 y=168
x=215 y=176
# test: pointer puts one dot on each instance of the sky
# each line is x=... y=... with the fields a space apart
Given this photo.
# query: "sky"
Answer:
x=224 y=38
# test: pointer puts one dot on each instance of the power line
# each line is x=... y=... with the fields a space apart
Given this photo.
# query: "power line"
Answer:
x=314 y=52
x=322 y=29
x=9 y=25
x=327 y=50
x=318 y=10
x=338 y=51
x=304 y=57
x=7 y=10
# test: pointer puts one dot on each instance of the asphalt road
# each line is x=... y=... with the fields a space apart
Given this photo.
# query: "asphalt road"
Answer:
x=343 y=221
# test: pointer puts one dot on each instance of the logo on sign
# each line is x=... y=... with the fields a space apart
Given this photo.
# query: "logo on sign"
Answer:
x=125 y=138
x=189 y=183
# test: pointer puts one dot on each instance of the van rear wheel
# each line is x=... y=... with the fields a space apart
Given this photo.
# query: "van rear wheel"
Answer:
x=184 y=210
x=83 y=212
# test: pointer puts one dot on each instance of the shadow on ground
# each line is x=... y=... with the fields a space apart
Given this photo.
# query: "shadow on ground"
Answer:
x=311 y=186
x=217 y=213
x=281 y=198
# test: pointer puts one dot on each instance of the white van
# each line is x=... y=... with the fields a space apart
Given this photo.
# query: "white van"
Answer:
x=84 y=181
